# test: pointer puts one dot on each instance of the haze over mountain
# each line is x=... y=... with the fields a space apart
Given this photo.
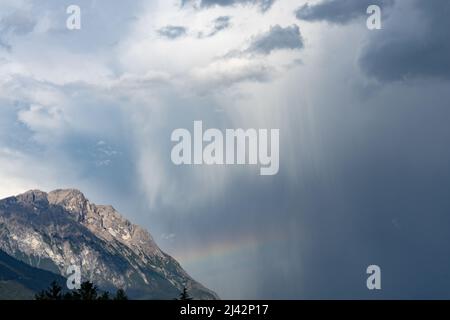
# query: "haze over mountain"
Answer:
x=52 y=231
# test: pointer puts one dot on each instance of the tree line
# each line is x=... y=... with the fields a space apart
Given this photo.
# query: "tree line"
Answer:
x=89 y=291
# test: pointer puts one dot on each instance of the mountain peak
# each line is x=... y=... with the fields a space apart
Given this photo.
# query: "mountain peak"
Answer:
x=72 y=200
x=58 y=197
x=33 y=197
x=61 y=196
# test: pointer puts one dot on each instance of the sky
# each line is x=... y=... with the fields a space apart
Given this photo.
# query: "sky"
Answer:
x=363 y=116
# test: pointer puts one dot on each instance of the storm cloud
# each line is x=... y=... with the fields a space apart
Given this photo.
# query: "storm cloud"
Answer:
x=338 y=11
x=411 y=48
x=413 y=42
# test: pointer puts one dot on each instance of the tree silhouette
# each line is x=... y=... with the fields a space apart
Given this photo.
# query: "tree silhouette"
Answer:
x=104 y=296
x=87 y=291
x=54 y=292
x=185 y=295
x=120 y=295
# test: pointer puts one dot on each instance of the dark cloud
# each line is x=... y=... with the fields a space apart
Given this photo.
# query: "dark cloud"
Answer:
x=277 y=38
x=396 y=53
x=263 y=4
x=338 y=11
x=172 y=32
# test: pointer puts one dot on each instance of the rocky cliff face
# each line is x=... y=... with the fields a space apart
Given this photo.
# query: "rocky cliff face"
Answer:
x=52 y=231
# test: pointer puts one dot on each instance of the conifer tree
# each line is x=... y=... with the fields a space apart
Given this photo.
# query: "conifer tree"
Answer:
x=54 y=292
x=185 y=295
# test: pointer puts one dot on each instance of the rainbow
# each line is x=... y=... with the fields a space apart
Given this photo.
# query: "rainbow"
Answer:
x=232 y=246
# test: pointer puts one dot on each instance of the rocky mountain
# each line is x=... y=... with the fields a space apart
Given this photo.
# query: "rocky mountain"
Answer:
x=52 y=231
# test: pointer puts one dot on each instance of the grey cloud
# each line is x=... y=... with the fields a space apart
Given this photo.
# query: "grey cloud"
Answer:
x=172 y=32
x=396 y=53
x=263 y=4
x=338 y=11
x=238 y=66
x=277 y=38
x=221 y=23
